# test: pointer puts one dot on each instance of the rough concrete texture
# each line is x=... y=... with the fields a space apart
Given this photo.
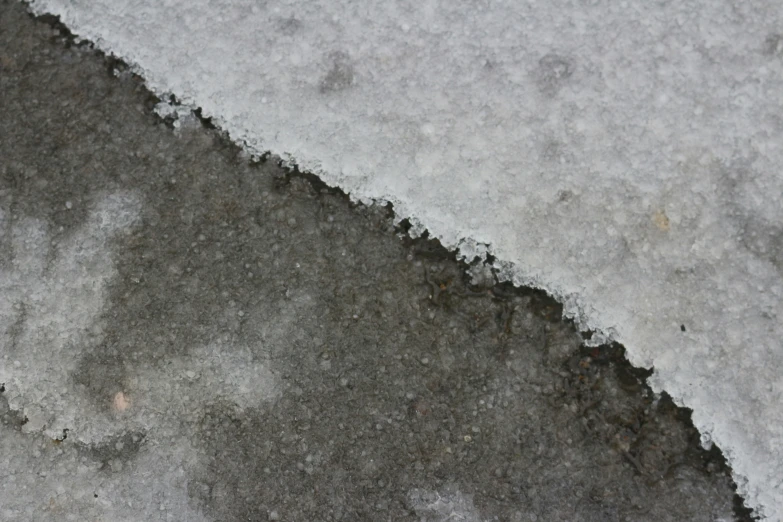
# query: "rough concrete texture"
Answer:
x=232 y=341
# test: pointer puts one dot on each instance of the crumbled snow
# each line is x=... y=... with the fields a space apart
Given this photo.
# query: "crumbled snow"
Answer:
x=624 y=156
x=182 y=116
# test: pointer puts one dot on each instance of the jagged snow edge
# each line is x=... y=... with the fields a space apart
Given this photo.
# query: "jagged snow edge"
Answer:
x=586 y=317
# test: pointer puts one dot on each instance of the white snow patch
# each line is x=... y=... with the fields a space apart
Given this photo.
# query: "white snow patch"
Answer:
x=44 y=481
x=50 y=305
x=625 y=156
x=50 y=312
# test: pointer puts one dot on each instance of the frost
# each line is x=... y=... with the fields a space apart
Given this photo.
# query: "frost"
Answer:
x=51 y=301
x=624 y=156
x=74 y=490
x=52 y=313
x=434 y=506
x=50 y=306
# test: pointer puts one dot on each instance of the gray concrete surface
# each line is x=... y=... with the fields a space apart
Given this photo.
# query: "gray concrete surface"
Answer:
x=393 y=384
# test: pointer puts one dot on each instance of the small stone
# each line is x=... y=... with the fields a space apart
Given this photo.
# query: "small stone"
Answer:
x=68 y=205
x=274 y=515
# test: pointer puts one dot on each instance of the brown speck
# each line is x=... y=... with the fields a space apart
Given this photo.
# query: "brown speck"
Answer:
x=661 y=220
x=121 y=402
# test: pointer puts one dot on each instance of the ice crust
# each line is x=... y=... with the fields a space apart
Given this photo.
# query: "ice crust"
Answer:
x=624 y=156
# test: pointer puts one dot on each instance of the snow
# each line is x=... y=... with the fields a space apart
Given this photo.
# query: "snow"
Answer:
x=624 y=156
x=52 y=303
x=54 y=317
x=53 y=313
x=75 y=490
